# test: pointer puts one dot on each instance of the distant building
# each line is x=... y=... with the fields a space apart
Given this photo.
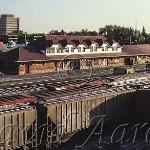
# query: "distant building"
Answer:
x=8 y=24
x=13 y=38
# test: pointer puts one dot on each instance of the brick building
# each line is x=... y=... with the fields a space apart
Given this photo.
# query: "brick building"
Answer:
x=62 y=52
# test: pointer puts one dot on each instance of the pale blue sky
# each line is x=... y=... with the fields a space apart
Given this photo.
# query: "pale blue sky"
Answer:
x=45 y=15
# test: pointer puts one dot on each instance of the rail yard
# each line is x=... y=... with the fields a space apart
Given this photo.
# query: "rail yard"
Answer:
x=42 y=114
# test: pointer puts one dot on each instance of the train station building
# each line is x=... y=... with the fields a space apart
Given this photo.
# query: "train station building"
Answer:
x=63 y=52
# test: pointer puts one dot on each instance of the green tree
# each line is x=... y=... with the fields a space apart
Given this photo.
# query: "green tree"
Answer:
x=125 y=35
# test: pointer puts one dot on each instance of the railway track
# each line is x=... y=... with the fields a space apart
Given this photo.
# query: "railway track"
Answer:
x=65 y=106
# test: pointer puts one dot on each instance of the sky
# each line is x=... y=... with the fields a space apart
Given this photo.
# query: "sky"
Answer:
x=41 y=16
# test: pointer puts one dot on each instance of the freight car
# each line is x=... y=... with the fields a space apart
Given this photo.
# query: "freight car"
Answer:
x=18 y=122
x=62 y=109
x=17 y=126
x=76 y=110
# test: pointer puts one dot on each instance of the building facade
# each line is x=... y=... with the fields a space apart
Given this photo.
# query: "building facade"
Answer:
x=8 y=24
x=62 y=52
x=82 y=48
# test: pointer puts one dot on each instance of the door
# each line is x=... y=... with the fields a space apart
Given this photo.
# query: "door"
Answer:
x=76 y=65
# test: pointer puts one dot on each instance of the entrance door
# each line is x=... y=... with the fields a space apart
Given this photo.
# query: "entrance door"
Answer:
x=76 y=65
x=128 y=61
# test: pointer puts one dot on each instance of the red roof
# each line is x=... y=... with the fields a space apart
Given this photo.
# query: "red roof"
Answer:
x=137 y=49
x=70 y=38
x=17 y=100
x=21 y=54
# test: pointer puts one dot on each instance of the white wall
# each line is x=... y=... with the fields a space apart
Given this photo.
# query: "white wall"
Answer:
x=105 y=48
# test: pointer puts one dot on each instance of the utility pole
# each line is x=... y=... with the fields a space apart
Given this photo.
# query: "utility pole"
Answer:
x=136 y=23
x=130 y=40
x=25 y=37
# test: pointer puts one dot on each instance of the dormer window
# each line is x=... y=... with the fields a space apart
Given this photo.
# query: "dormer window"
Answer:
x=106 y=48
x=47 y=51
x=52 y=50
x=83 y=49
x=94 y=48
x=72 y=49
x=67 y=50
x=58 y=50
x=91 y=49
x=114 y=48
x=79 y=49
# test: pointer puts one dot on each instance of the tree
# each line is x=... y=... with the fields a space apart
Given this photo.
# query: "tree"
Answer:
x=144 y=31
x=125 y=35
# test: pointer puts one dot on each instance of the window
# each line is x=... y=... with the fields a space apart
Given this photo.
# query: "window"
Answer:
x=102 y=48
x=72 y=49
x=79 y=49
x=58 y=50
x=116 y=60
x=61 y=65
x=114 y=48
x=52 y=50
x=88 y=63
x=94 y=48
x=83 y=49
x=67 y=50
x=91 y=49
x=106 y=48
